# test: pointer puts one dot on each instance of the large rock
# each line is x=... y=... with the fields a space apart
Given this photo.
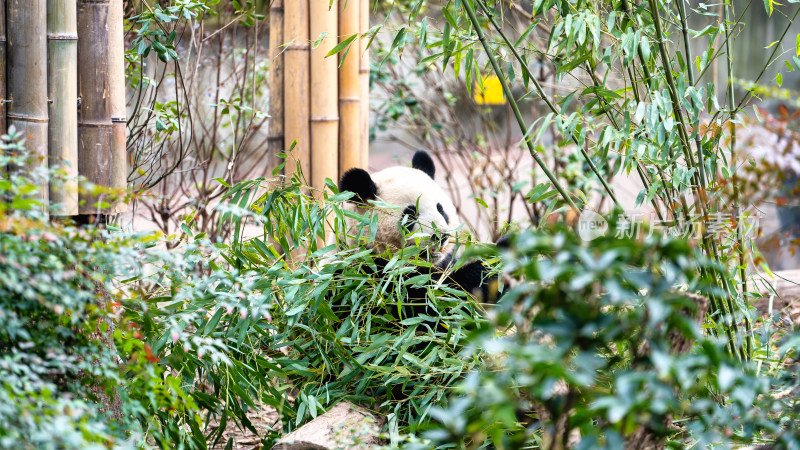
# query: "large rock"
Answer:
x=345 y=426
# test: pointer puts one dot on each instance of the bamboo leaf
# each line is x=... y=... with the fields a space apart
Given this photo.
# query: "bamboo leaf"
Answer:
x=573 y=64
x=319 y=39
x=341 y=45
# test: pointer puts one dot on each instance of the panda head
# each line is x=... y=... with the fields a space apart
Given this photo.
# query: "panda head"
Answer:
x=424 y=209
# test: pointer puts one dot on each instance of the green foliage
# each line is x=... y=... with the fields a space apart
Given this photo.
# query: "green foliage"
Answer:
x=118 y=342
x=632 y=98
x=72 y=375
x=110 y=340
x=318 y=321
x=595 y=340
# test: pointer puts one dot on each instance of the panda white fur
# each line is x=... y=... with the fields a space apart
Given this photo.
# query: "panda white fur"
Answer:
x=425 y=212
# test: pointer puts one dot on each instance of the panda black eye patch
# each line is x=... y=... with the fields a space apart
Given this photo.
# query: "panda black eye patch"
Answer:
x=444 y=214
x=410 y=217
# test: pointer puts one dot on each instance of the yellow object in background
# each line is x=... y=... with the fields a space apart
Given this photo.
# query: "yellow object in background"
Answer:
x=492 y=93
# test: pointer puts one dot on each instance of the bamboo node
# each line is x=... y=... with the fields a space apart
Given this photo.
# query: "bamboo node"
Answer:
x=94 y=124
x=298 y=47
x=325 y=119
x=26 y=118
x=62 y=36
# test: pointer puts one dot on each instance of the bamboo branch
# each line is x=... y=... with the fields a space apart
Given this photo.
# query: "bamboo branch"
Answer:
x=690 y=70
x=699 y=188
x=777 y=45
x=736 y=205
x=539 y=90
x=514 y=107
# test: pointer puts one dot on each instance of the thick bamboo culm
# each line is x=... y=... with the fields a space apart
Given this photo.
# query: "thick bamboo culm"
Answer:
x=364 y=81
x=119 y=121
x=349 y=91
x=96 y=143
x=296 y=86
x=62 y=88
x=276 y=41
x=2 y=66
x=324 y=107
x=27 y=76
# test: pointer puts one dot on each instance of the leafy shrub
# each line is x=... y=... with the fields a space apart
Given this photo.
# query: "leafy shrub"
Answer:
x=71 y=375
x=288 y=322
x=590 y=349
x=109 y=340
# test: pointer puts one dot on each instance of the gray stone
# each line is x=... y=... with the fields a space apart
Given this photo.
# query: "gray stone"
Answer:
x=345 y=426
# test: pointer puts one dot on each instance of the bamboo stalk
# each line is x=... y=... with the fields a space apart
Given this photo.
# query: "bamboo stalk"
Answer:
x=119 y=121
x=515 y=108
x=324 y=107
x=736 y=194
x=296 y=86
x=62 y=87
x=2 y=66
x=95 y=115
x=540 y=91
x=364 y=83
x=698 y=187
x=349 y=91
x=275 y=138
x=27 y=77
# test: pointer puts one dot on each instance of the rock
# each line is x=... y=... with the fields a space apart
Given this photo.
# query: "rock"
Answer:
x=345 y=426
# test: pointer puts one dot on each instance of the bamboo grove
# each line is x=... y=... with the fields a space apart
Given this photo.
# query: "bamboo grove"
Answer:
x=319 y=106
x=62 y=87
x=633 y=99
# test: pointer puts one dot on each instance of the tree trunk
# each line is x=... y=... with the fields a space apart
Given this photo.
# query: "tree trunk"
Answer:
x=324 y=108
x=296 y=86
x=98 y=148
x=349 y=91
x=27 y=77
x=62 y=88
x=275 y=139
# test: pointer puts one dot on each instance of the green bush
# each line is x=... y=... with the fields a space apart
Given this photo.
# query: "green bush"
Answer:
x=71 y=374
x=282 y=320
x=600 y=345
x=110 y=340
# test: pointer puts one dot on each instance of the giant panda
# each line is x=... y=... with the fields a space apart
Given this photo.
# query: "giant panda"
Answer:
x=426 y=215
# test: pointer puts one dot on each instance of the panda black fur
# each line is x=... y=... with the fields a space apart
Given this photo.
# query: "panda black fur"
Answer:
x=426 y=207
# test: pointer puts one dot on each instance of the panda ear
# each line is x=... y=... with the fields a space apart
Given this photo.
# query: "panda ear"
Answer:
x=360 y=183
x=422 y=161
